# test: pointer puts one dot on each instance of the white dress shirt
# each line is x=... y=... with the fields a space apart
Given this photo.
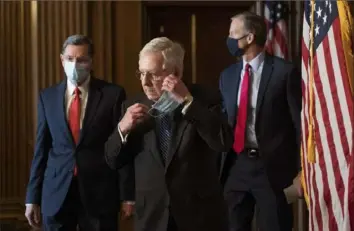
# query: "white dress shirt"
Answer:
x=69 y=96
x=256 y=73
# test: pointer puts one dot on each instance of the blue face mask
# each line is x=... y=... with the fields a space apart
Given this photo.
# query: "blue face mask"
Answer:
x=234 y=49
x=77 y=74
x=166 y=104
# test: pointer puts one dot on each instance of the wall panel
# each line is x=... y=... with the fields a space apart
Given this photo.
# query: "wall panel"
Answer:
x=127 y=37
x=16 y=105
x=31 y=37
x=15 y=149
x=101 y=34
x=56 y=21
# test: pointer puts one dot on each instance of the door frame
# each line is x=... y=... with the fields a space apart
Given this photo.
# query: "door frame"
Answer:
x=149 y=4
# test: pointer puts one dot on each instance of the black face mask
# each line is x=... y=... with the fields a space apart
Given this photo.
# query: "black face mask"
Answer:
x=234 y=49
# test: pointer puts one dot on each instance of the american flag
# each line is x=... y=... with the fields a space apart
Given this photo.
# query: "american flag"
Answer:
x=328 y=113
x=275 y=13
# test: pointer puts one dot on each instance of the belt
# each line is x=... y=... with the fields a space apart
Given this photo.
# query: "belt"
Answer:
x=252 y=152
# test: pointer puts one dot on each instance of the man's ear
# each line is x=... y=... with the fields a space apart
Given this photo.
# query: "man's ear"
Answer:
x=251 y=38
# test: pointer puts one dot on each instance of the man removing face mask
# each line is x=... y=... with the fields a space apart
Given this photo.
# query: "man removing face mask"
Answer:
x=174 y=153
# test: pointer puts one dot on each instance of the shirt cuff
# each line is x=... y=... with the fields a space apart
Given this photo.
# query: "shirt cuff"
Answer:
x=185 y=108
x=123 y=138
x=129 y=202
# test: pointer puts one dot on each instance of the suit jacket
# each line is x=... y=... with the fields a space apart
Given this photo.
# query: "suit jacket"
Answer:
x=277 y=117
x=56 y=152
x=187 y=186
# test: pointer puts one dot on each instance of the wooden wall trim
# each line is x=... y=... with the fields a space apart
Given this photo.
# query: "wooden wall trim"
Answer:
x=34 y=60
x=12 y=208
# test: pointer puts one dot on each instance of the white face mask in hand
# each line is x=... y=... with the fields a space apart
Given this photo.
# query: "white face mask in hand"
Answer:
x=164 y=105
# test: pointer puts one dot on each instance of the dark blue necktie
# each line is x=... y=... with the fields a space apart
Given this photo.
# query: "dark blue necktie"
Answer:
x=164 y=135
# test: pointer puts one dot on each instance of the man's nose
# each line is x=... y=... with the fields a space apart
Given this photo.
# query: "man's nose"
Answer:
x=145 y=80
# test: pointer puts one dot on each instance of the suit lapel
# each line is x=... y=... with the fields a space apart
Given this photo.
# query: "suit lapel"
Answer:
x=178 y=127
x=94 y=97
x=233 y=85
x=62 y=118
x=266 y=76
x=151 y=141
x=150 y=138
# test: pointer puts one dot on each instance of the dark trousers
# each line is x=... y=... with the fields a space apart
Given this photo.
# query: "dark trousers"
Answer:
x=246 y=188
x=72 y=215
x=171 y=226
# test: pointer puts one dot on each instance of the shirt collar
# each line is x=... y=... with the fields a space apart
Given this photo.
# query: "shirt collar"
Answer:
x=83 y=87
x=255 y=62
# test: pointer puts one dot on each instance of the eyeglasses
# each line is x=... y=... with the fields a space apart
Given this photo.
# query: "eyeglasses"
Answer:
x=151 y=76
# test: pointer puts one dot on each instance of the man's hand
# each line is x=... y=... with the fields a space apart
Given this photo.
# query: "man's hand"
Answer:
x=33 y=215
x=175 y=85
x=297 y=184
x=127 y=210
x=134 y=115
x=294 y=191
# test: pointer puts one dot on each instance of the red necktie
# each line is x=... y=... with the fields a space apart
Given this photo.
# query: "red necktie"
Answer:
x=240 y=129
x=74 y=118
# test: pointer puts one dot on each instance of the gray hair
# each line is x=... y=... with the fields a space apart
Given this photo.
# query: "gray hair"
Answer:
x=172 y=52
x=254 y=24
x=78 y=39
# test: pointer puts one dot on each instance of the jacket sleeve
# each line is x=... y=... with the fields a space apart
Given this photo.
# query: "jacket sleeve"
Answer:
x=114 y=143
x=39 y=162
x=223 y=156
x=294 y=99
x=116 y=153
x=211 y=123
x=127 y=182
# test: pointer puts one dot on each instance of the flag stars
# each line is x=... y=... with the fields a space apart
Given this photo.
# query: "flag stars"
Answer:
x=327 y=3
x=317 y=30
x=319 y=12
x=324 y=19
x=330 y=7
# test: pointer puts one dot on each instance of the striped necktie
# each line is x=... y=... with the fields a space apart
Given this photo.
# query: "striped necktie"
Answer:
x=164 y=135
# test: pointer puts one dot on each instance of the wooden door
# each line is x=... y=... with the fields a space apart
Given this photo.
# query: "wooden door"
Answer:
x=201 y=29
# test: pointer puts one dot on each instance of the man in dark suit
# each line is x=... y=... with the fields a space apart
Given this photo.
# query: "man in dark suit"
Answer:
x=70 y=181
x=262 y=98
x=175 y=153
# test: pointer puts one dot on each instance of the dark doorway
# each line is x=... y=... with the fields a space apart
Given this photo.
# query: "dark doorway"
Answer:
x=202 y=28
